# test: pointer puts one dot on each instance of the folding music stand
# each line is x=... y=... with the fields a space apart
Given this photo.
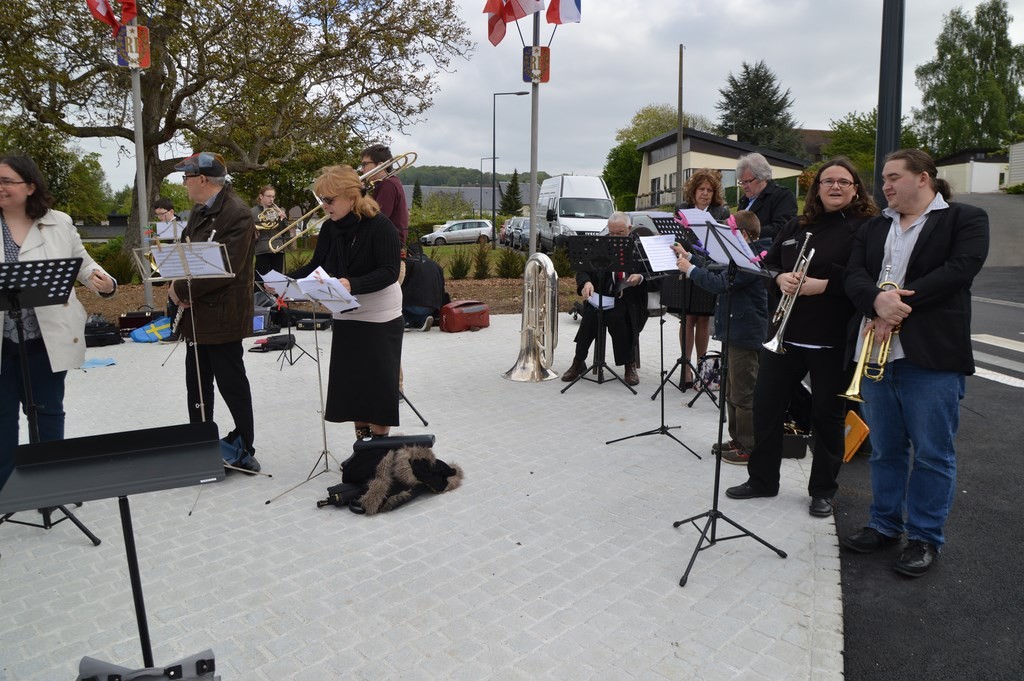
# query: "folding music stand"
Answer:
x=32 y=284
x=723 y=248
x=287 y=355
x=115 y=465
x=601 y=254
x=651 y=271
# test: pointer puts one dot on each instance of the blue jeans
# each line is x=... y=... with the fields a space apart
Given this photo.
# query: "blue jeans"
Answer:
x=913 y=407
x=47 y=393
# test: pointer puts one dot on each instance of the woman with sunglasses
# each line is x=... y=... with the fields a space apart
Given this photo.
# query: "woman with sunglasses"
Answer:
x=815 y=336
x=360 y=247
x=54 y=335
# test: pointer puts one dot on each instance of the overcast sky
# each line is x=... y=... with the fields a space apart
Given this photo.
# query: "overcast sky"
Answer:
x=625 y=54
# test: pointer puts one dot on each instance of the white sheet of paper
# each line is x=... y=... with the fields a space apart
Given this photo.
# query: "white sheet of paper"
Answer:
x=727 y=244
x=696 y=216
x=596 y=300
x=281 y=285
x=328 y=291
x=201 y=259
x=169 y=231
x=659 y=252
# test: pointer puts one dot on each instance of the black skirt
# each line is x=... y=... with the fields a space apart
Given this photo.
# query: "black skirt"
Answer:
x=363 y=376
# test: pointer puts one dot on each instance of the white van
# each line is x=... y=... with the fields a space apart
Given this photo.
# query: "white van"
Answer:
x=571 y=204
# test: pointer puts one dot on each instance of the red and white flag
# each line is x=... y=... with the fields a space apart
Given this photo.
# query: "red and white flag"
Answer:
x=128 y=11
x=517 y=9
x=496 y=20
x=102 y=11
x=564 y=12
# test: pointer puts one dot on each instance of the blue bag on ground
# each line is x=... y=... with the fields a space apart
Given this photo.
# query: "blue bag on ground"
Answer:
x=158 y=329
x=234 y=452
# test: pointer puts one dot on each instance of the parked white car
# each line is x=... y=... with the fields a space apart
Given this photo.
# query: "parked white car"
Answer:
x=460 y=232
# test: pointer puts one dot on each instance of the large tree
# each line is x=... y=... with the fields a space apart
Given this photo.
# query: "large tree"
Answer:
x=623 y=164
x=259 y=81
x=853 y=136
x=755 y=109
x=512 y=199
x=971 y=90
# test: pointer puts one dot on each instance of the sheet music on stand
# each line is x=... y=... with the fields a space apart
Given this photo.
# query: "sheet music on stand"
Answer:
x=184 y=260
x=318 y=287
x=723 y=245
x=168 y=231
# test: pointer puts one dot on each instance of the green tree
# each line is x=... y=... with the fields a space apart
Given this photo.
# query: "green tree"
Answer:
x=512 y=199
x=44 y=145
x=622 y=167
x=440 y=207
x=89 y=195
x=853 y=136
x=299 y=71
x=971 y=90
x=417 y=195
x=755 y=109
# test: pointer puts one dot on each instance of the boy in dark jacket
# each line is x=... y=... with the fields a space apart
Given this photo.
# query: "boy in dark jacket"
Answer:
x=747 y=326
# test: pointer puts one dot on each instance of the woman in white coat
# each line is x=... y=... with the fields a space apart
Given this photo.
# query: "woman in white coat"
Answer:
x=54 y=335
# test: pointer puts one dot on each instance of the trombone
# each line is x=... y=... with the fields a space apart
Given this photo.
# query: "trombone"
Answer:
x=871 y=363
x=394 y=166
x=785 y=307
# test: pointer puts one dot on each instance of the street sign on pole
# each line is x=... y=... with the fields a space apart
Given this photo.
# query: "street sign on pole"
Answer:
x=536 y=64
x=133 y=47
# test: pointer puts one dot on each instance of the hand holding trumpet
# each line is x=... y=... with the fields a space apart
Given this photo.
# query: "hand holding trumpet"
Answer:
x=889 y=306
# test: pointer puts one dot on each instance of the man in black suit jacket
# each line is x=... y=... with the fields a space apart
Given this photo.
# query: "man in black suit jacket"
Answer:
x=624 y=322
x=773 y=205
x=931 y=250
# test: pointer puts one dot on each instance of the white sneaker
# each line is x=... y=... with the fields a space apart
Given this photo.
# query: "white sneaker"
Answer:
x=427 y=323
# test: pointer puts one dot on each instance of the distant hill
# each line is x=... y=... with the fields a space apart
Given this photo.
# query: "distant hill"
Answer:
x=450 y=176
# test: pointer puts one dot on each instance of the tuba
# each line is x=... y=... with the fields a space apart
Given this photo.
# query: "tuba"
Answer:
x=539 y=334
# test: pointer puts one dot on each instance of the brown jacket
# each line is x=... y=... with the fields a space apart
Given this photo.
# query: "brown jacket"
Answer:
x=223 y=307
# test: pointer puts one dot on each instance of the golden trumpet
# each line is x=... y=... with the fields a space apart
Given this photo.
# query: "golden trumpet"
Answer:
x=871 y=363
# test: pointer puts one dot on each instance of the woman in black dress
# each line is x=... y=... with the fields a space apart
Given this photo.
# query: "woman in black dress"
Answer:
x=359 y=246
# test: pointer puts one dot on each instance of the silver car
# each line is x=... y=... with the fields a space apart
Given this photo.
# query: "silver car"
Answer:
x=460 y=232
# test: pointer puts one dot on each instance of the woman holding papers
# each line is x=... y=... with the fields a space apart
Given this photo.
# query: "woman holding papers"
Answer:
x=815 y=335
x=703 y=191
x=359 y=247
x=54 y=339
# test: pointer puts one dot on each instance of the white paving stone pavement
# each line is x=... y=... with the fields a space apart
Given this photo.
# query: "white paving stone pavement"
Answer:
x=556 y=559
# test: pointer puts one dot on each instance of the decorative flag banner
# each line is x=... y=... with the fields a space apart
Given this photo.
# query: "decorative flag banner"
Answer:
x=102 y=11
x=564 y=12
x=496 y=20
x=128 y=11
x=517 y=9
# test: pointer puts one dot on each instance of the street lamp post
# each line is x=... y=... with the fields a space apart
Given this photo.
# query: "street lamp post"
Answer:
x=494 y=150
x=480 y=210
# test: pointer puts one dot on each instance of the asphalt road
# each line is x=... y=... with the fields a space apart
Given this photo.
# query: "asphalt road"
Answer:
x=965 y=619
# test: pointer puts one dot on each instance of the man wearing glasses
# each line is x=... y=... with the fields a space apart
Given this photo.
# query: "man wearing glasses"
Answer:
x=773 y=205
x=218 y=312
x=389 y=194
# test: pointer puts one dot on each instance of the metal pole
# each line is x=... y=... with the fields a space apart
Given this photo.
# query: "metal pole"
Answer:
x=140 y=168
x=494 y=151
x=480 y=206
x=890 y=82
x=534 y=124
x=679 y=133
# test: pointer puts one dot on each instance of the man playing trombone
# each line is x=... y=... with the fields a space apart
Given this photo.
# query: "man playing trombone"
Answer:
x=388 y=193
x=932 y=250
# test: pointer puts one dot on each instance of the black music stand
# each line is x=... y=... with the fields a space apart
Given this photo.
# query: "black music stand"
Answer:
x=727 y=251
x=287 y=355
x=601 y=254
x=642 y=259
x=32 y=284
x=115 y=465
x=681 y=293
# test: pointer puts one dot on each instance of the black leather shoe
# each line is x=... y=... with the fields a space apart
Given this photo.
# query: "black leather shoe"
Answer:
x=631 y=378
x=917 y=558
x=821 y=507
x=867 y=540
x=574 y=371
x=747 y=491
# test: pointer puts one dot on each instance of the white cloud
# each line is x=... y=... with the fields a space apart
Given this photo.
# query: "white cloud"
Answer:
x=625 y=54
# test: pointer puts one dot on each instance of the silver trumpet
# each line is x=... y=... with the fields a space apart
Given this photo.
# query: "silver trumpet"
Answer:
x=785 y=307
x=539 y=334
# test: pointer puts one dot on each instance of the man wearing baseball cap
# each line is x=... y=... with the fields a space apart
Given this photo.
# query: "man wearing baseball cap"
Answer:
x=218 y=312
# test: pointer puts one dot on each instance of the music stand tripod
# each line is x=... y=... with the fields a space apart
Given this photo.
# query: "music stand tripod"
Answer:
x=662 y=429
x=34 y=284
x=728 y=251
x=287 y=354
x=601 y=254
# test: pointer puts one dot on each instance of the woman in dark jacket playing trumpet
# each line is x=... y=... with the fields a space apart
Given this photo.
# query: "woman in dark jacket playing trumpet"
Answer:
x=359 y=246
x=814 y=337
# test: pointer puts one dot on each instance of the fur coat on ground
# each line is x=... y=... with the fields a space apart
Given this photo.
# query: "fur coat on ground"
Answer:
x=403 y=474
